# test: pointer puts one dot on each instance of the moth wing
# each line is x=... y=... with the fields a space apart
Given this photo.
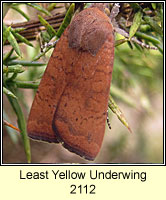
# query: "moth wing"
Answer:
x=48 y=95
x=80 y=117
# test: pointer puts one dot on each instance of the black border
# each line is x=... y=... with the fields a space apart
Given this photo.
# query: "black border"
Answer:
x=91 y=164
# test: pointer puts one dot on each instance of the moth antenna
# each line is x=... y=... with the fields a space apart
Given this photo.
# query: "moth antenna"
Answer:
x=108 y=121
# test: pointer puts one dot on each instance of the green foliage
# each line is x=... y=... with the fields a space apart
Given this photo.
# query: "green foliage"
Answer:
x=16 y=8
x=49 y=28
x=115 y=109
x=12 y=66
x=66 y=20
x=39 y=8
x=135 y=68
x=136 y=24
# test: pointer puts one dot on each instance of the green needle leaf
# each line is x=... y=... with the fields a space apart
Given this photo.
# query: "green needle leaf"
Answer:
x=8 y=93
x=115 y=109
x=49 y=28
x=136 y=23
x=66 y=20
x=39 y=8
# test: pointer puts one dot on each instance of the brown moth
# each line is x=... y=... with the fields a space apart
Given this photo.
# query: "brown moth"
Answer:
x=70 y=105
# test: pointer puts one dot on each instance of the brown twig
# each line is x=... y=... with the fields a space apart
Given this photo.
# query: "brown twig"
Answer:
x=6 y=123
x=33 y=27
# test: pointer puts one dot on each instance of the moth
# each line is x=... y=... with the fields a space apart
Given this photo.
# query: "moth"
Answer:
x=70 y=106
